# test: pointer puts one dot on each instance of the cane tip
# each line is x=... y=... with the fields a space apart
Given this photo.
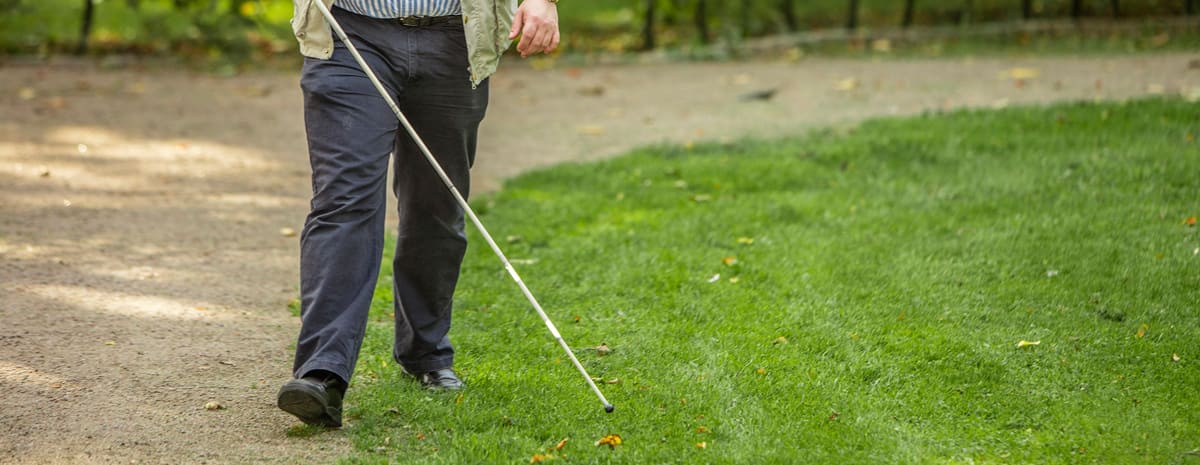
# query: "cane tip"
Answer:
x=608 y=408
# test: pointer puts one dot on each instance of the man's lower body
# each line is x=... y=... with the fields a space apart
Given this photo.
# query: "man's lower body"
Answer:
x=351 y=132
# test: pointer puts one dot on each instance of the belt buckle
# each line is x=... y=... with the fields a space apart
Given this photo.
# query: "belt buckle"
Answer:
x=412 y=21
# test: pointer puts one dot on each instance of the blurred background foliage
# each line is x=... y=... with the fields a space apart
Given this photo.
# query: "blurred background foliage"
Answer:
x=240 y=31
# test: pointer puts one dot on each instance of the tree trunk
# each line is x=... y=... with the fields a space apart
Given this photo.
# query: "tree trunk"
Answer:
x=1026 y=9
x=700 y=16
x=1116 y=8
x=1189 y=6
x=852 y=15
x=648 y=25
x=86 y=29
x=1076 y=9
x=910 y=9
x=788 y=9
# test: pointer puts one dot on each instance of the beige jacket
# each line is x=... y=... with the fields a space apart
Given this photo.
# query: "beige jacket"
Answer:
x=487 y=24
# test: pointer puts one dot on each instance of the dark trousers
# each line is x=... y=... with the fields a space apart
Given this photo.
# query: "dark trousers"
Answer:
x=350 y=132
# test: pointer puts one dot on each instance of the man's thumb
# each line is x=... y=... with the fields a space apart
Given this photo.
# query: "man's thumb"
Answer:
x=518 y=19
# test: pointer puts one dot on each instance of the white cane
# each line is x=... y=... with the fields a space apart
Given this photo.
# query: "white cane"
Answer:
x=337 y=28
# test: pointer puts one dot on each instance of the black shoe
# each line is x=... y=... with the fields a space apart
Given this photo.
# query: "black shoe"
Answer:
x=314 y=400
x=441 y=380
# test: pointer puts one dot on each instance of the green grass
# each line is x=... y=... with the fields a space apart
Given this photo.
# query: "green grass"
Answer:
x=882 y=280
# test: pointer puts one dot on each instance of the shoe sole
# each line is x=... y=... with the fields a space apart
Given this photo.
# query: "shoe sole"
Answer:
x=305 y=402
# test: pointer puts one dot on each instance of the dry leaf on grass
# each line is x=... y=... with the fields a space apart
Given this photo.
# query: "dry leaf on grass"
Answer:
x=561 y=443
x=612 y=441
x=1024 y=343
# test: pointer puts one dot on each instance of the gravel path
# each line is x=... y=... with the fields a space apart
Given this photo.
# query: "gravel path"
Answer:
x=144 y=270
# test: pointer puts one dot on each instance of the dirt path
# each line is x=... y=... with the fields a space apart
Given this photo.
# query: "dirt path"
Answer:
x=143 y=272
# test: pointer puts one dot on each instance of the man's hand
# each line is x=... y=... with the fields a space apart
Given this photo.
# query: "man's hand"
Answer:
x=537 y=24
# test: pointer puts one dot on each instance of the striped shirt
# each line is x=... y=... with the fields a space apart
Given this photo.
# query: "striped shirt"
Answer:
x=401 y=8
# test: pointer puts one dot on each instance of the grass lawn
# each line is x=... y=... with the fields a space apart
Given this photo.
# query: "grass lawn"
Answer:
x=845 y=297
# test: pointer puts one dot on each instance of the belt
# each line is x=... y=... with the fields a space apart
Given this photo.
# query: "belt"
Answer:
x=422 y=21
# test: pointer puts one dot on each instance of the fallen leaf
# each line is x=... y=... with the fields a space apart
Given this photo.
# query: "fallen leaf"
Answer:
x=613 y=381
x=287 y=232
x=1141 y=332
x=847 y=84
x=420 y=436
x=761 y=371
x=458 y=400
x=729 y=261
x=1019 y=73
x=745 y=240
x=1024 y=343
x=1174 y=357
x=612 y=441
x=781 y=340
x=213 y=406
x=715 y=278
x=540 y=458
x=110 y=343
x=701 y=429
x=603 y=349
x=833 y=416
x=701 y=445
x=591 y=130
x=734 y=280
x=577 y=318
x=1191 y=221
x=561 y=443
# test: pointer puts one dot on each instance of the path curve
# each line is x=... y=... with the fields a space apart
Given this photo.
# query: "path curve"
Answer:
x=144 y=270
